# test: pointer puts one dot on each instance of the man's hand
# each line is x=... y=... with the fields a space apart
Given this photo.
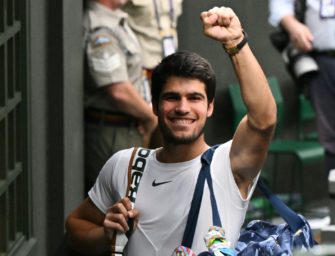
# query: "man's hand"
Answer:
x=300 y=35
x=223 y=25
x=146 y=128
x=117 y=217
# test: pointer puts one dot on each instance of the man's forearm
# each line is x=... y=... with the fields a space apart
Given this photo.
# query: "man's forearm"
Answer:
x=125 y=97
x=255 y=91
x=300 y=35
x=289 y=23
x=87 y=238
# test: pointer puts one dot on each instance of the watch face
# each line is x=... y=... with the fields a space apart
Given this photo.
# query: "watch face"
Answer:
x=235 y=49
x=232 y=50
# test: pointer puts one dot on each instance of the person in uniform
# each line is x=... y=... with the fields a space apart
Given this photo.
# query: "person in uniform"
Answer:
x=118 y=111
x=155 y=24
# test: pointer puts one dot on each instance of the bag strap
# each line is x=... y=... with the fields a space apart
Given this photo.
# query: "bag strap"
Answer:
x=204 y=174
x=300 y=8
x=291 y=217
x=136 y=168
x=130 y=165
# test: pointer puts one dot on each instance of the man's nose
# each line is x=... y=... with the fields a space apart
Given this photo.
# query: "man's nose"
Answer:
x=182 y=106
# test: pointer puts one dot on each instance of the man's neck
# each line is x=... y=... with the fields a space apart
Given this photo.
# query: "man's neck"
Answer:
x=108 y=4
x=180 y=153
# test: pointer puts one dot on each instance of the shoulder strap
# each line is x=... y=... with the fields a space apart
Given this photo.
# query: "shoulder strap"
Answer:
x=136 y=167
x=130 y=164
x=300 y=9
x=192 y=219
x=290 y=216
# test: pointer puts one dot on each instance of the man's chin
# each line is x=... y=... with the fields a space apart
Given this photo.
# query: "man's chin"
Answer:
x=181 y=140
x=180 y=137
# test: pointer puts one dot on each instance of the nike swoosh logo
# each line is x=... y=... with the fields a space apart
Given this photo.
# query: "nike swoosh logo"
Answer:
x=155 y=184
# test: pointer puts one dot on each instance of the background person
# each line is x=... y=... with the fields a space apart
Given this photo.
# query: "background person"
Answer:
x=155 y=24
x=315 y=36
x=183 y=98
x=118 y=112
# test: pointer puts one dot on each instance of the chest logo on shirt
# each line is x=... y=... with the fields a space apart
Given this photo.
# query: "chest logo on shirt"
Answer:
x=155 y=184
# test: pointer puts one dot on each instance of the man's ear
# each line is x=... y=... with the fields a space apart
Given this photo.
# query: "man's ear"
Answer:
x=210 y=109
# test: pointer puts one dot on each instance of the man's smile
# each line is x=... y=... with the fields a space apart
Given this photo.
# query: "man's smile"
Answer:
x=182 y=121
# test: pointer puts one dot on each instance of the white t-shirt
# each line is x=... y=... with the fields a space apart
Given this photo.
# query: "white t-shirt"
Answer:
x=164 y=209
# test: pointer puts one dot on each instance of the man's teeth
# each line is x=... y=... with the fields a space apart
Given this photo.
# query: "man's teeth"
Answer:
x=182 y=121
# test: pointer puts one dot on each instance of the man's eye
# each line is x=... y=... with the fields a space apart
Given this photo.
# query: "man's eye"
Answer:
x=171 y=98
x=195 y=98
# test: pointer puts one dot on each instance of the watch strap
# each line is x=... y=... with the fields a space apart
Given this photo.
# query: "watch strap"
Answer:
x=235 y=49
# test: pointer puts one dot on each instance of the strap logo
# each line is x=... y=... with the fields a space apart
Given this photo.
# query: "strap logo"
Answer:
x=137 y=170
x=155 y=184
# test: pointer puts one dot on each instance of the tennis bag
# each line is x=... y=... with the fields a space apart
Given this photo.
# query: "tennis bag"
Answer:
x=264 y=238
x=258 y=238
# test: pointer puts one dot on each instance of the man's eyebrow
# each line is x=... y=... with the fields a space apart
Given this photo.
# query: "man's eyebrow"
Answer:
x=197 y=94
x=191 y=94
x=170 y=94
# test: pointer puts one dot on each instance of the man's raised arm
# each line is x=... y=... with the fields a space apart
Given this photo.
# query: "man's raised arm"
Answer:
x=254 y=133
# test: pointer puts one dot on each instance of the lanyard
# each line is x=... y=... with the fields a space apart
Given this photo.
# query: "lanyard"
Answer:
x=171 y=14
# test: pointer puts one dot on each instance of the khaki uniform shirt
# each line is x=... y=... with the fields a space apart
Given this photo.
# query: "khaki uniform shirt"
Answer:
x=143 y=21
x=113 y=55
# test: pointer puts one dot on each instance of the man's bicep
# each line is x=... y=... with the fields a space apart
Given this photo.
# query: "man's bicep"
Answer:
x=249 y=149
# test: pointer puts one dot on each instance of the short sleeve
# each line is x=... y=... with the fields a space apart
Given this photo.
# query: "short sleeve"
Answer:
x=224 y=175
x=106 y=59
x=279 y=9
x=111 y=184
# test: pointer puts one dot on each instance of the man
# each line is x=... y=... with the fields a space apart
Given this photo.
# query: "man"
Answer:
x=118 y=112
x=183 y=98
x=155 y=24
x=315 y=36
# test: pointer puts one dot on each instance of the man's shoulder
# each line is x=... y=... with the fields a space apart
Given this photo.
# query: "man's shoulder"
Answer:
x=125 y=155
x=118 y=163
x=101 y=36
x=99 y=24
x=223 y=146
x=99 y=15
x=222 y=151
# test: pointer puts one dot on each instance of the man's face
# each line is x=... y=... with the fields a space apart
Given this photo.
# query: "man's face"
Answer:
x=182 y=110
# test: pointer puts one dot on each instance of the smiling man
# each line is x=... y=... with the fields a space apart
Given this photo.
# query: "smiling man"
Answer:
x=184 y=110
x=183 y=98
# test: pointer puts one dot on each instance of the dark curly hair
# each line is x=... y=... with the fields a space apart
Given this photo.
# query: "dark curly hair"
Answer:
x=183 y=64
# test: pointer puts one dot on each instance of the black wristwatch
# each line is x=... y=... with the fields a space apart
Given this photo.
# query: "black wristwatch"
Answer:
x=235 y=49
